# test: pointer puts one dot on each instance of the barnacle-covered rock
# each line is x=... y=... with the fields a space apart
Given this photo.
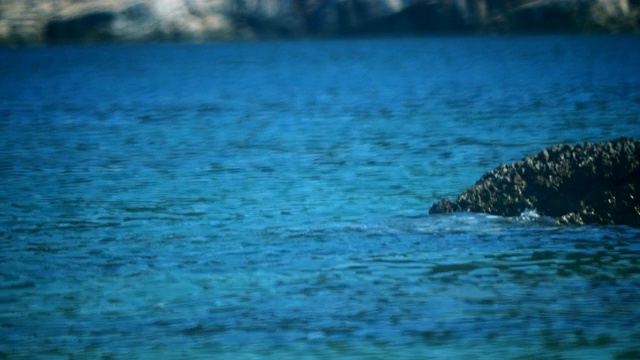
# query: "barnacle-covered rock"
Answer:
x=583 y=184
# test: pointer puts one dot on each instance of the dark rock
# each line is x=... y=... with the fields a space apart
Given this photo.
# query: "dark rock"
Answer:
x=589 y=184
x=419 y=18
x=551 y=17
x=87 y=27
x=137 y=12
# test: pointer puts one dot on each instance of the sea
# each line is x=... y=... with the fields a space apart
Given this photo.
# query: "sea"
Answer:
x=269 y=200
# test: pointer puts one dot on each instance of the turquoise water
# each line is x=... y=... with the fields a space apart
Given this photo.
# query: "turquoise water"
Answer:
x=270 y=200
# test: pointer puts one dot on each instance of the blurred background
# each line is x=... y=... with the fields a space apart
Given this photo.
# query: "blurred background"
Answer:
x=35 y=22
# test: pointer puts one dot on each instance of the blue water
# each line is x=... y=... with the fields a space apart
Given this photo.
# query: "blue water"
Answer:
x=270 y=200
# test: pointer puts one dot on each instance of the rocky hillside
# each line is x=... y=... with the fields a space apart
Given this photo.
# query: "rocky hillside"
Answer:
x=54 y=21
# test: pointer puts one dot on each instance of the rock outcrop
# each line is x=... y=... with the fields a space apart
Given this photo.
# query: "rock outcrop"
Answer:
x=589 y=184
x=51 y=21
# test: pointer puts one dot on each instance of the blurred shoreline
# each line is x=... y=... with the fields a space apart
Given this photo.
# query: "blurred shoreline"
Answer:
x=31 y=22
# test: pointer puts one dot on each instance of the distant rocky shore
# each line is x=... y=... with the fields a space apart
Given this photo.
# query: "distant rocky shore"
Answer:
x=32 y=22
x=589 y=184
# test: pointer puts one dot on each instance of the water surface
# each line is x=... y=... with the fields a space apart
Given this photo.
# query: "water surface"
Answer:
x=269 y=200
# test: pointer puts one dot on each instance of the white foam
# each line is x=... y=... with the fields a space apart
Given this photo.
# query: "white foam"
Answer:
x=529 y=215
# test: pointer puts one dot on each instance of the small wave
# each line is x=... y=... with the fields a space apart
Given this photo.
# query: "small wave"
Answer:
x=458 y=222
